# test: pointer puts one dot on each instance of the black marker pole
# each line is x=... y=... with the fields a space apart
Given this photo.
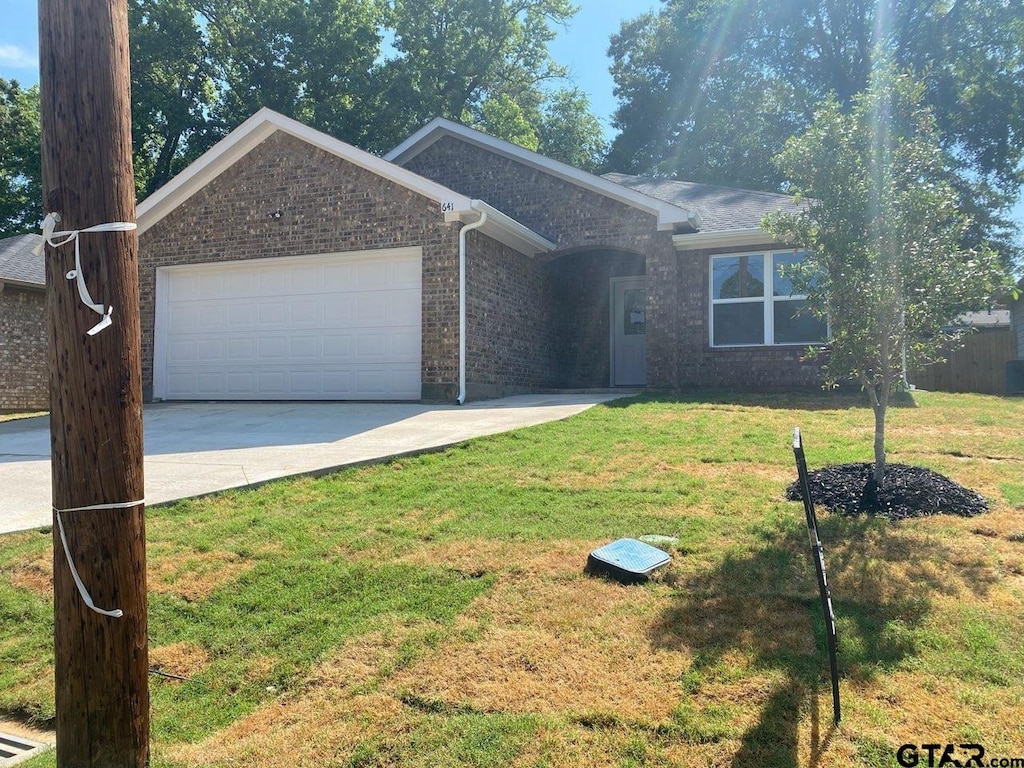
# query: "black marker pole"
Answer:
x=819 y=563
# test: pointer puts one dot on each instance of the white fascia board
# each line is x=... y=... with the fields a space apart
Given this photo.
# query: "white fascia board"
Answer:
x=257 y=129
x=503 y=228
x=21 y=284
x=668 y=215
x=724 y=238
x=507 y=230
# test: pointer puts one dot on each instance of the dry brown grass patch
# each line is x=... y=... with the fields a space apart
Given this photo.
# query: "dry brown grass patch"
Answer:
x=181 y=659
x=311 y=732
x=551 y=646
x=34 y=575
x=195 y=576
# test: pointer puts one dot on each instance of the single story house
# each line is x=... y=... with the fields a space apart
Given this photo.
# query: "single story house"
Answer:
x=285 y=264
x=24 y=376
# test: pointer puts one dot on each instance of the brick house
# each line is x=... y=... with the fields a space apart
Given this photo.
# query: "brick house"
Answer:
x=24 y=377
x=285 y=264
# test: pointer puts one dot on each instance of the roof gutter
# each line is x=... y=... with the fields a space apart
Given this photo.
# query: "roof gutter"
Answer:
x=739 y=238
x=462 y=296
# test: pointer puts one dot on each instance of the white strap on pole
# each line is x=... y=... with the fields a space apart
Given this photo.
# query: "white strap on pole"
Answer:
x=57 y=239
x=116 y=613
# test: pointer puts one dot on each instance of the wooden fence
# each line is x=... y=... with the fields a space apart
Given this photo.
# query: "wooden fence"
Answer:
x=978 y=366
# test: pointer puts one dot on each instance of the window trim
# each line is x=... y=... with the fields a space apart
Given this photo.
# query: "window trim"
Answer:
x=767 y=300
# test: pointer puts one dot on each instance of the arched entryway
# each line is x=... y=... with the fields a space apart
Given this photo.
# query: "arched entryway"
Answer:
x=599 y=312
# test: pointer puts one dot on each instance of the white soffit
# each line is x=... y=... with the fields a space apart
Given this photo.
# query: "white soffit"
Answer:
x=725 y=238
x=668 y=215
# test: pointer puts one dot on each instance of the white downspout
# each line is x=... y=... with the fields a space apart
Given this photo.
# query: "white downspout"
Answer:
x=462 y=300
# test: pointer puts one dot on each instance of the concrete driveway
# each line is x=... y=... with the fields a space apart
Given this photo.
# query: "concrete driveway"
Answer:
x=198 y=448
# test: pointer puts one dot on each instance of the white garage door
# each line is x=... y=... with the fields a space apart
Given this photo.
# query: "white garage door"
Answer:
x=331 y=327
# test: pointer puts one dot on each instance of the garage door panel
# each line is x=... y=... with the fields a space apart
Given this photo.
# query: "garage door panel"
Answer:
x=305 y=279
x=402 y=310
x=305 y=311
x=304 y=347
x=210 y=350
x=272 y=313
x=181 y=351
x=273 y=348
x=240 y=383
x=209 y=383
x=326 y=327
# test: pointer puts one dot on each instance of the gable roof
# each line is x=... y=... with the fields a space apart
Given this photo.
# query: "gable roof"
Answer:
x=19 y=265
x=266 y=122
x=670 y=215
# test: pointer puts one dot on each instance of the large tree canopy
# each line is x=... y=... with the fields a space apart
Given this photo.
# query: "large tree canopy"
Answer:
x=21 y=189
x=709 y=90
x=366 y=71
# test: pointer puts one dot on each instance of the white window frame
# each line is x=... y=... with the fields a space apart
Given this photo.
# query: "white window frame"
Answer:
x=767 y=300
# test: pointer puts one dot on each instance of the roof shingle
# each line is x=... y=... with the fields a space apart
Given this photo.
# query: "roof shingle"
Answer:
x=18 y=263
x=720 y=208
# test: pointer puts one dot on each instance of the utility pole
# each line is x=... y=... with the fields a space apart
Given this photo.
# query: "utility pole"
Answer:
x=102 y=664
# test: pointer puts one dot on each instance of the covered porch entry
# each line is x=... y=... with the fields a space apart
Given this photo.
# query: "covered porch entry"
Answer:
x=599 y=309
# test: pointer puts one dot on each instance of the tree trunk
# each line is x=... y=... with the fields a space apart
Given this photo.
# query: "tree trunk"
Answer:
x=102 y=695
x=880 y=407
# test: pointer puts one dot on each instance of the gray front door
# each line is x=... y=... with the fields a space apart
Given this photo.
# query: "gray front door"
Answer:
x=629 y=325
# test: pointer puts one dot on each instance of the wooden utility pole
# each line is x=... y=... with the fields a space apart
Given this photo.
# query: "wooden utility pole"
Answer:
x=95 y=387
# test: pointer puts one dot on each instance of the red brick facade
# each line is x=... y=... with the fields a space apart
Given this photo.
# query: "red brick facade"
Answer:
x=24 y=375
x=598 y=238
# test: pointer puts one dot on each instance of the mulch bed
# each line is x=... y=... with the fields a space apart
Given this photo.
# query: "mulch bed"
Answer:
x=847 y=489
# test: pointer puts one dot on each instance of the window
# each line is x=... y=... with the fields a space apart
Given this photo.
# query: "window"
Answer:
x=752 y=302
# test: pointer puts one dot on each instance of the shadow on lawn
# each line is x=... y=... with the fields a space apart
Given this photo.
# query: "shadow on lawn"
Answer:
x=757 y=617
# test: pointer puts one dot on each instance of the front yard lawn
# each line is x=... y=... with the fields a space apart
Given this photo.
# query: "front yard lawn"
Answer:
x=434 y=611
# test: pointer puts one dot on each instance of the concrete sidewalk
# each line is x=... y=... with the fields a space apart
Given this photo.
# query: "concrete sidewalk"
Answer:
x=198 y=448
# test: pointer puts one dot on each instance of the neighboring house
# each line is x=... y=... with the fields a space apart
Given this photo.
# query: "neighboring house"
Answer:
x=24 y=377
x=285 y=264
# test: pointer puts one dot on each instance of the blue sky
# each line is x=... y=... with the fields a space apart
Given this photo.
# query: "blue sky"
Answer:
x=581 y=46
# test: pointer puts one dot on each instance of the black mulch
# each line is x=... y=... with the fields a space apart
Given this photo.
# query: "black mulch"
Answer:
x=847 y=489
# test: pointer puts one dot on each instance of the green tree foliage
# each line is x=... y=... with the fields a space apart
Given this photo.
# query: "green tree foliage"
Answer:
x=201 y=67
x=883 y=228
x=569 y=131
x=172 y=89
x=709 y=90
x=21 y=190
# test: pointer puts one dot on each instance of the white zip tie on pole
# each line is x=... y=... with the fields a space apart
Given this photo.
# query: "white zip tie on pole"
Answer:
x=54 y=239
x=117 y=613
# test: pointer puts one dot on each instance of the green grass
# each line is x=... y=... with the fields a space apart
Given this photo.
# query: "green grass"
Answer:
x=433 y=611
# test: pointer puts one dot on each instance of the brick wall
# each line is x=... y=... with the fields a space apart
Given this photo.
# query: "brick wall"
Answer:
x=678 y=349
x=510 y=340
x=328 y=205
x=575 y=219
x=24 y=364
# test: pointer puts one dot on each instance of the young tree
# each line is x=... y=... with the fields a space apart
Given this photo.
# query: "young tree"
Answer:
x=883 y=227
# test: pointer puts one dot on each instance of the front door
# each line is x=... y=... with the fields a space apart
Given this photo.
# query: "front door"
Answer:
x=629 y=324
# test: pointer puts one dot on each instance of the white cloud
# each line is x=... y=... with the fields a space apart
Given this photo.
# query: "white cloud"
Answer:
x=13 y=56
